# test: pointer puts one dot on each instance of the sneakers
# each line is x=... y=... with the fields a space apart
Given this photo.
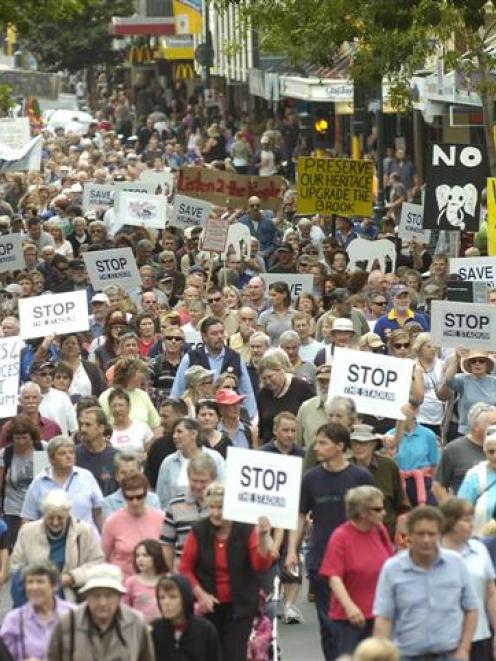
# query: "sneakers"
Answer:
x=292 y=615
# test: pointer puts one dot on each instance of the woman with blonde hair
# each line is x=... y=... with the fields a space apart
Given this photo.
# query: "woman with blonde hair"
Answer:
x=376 y=649
x=431 y=411
x=62 y=245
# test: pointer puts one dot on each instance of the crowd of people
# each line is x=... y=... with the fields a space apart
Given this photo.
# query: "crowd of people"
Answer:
x=116 y=547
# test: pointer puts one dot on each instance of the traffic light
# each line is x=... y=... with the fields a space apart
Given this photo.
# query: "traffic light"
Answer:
x=321 y=127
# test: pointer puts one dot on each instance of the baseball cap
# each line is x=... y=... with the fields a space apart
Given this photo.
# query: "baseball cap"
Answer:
x=228 y=397
x=371 y=340
x=100 y=298
x=339 y=295
x=39 y=365
x=285 y=247
x=397 y=290
x=76 y=265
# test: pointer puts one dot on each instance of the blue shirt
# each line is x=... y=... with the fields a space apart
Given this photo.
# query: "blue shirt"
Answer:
x=417 y=449
x=215 y=363
x=472 y=390
x=115 y=501
x=426 y=606
x=240 y=439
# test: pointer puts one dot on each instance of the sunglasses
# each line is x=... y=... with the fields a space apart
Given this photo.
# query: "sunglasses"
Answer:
x=139 y=496
x=491 y=451
x=215 y=300
x=173 y=338
x=477 y=361
x=379 y=302
x=401 y=345
x=255 y=206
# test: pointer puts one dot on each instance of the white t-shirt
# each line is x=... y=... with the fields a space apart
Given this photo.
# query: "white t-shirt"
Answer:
x=133 y=438
x=81 y=384
x=57 y=406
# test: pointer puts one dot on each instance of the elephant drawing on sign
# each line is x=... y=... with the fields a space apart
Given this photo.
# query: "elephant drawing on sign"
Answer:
x=239 y=241
x=361 y=250
x=455 y=204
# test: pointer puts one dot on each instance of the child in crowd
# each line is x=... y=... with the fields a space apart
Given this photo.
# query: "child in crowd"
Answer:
x=149 y=565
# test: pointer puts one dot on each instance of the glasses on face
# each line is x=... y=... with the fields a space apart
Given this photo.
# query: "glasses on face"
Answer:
x=173 y=338
x=379 y=302
x=138 y=496
x=401 y=345
x=254 y=206
x=478 y=361
x=215 y=299
x=167 y=261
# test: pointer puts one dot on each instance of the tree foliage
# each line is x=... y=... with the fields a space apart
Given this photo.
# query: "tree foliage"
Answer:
x=6 y=100
x=23 y=13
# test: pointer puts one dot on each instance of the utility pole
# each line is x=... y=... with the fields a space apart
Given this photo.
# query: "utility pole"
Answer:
x=380 y=208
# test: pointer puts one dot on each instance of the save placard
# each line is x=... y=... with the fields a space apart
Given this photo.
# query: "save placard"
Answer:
x=98 y=196
x=262 y=484
x=339 y=186
x=463 y=325
x=379 y=385
x=53 y=314
x=112 y=267
x=189 y=212
x=412 y=223
x=297 y=282
x=10 y=358
x=143 y=210
x=481 y=269
x=11 y=253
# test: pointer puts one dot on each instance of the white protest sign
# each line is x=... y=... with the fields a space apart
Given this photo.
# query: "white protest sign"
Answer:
x=412 y=223
x=163 y=181
x=463 y=325
x=474 y=268
x=112 y=267
x=378 y=384
x=53 y=314
x=98 y=196
x=297 y=282
x=215 y=234
x=10 y=360
x=262 y=484
x=143 y=210
x=189 y=212
x=130 y=186
x=11 y=253
x=14 y=132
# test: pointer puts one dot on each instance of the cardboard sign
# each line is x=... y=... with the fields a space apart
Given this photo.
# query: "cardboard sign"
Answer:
x=130 y=186
x=163 y=181
x=463 y=325
x=412 y=223
x=26 y=158
x=491 y=216
x=14 y=131
x=215 y=234
x=10 y=361
x=262 y=484
x=112 y=267
x=53 y=314
x=339 y=186
x=474 y=269
x=143 y=210
x=189 y=212
x=466 y=291
x=379 y=385
x=456 y=176
x=11 y=253
x=98 y=196
x=229 y=189
x=298 y=283
x=364 y=252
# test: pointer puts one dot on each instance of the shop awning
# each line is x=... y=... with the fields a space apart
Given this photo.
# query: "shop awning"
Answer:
x=134 y=26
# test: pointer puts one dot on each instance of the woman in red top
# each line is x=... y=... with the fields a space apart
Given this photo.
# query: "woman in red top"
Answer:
x=221 y=558
x=355 y=554
x=146 y=333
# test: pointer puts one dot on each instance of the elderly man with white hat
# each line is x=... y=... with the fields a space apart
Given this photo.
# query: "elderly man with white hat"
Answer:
x=342 y=335
x=103 y=628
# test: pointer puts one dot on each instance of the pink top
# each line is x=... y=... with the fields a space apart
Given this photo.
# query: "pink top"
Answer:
x=141 y=597
x=123 y=531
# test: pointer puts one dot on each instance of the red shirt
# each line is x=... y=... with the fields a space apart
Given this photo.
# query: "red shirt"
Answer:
x=145 y=346
x=48 y=429
x=356 y=557
x=222 y=575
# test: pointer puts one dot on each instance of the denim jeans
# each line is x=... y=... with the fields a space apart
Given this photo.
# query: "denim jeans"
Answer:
x=320 y=588
x=347 y=636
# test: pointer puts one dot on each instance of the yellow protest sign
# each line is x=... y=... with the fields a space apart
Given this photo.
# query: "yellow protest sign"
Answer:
x=491 y=216
x=339 y=186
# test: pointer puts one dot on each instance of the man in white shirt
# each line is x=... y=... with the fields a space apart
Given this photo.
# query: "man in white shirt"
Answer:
x=55 y=404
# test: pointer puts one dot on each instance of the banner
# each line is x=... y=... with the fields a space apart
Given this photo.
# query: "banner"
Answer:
x=112 y=267
x=189 y=212
x=10 y=359
x=456 y=177
x=262 y=484
x=229 y=189
x=297 y=282
x=14 y=131
x=22 y=158
x=215 y=234
x=148 y=211
x=379 y=385
x=339 y=186
x=11 y=253
x=131 y=186
x=463 y=325
x=474 y=268
x=491 y=216
x=98 y=196
x=53 y=314
x=412 y=223
x=163 y=181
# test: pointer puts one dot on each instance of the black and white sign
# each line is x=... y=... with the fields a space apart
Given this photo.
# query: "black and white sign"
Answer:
x=474 y=269
x=379 y=385
x=11 y=253
x=53 y=314
x=463 y=325
x=148 y=211
x=112 y=267
x=262 y=484
x=98 y=196
x=10 y=359
x=467 y=291
x=298 y=283
x=456 y=177
x=130 y=186
x=412 y=223
x=189 y=212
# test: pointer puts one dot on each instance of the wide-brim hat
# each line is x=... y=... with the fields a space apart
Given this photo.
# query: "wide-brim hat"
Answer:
x=476 y=354
x=104 y=575
x=364 y=434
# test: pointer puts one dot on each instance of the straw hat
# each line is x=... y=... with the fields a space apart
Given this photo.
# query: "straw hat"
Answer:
x=476 y=354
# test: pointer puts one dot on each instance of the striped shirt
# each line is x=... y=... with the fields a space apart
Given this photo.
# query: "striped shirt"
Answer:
x=181 y=513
